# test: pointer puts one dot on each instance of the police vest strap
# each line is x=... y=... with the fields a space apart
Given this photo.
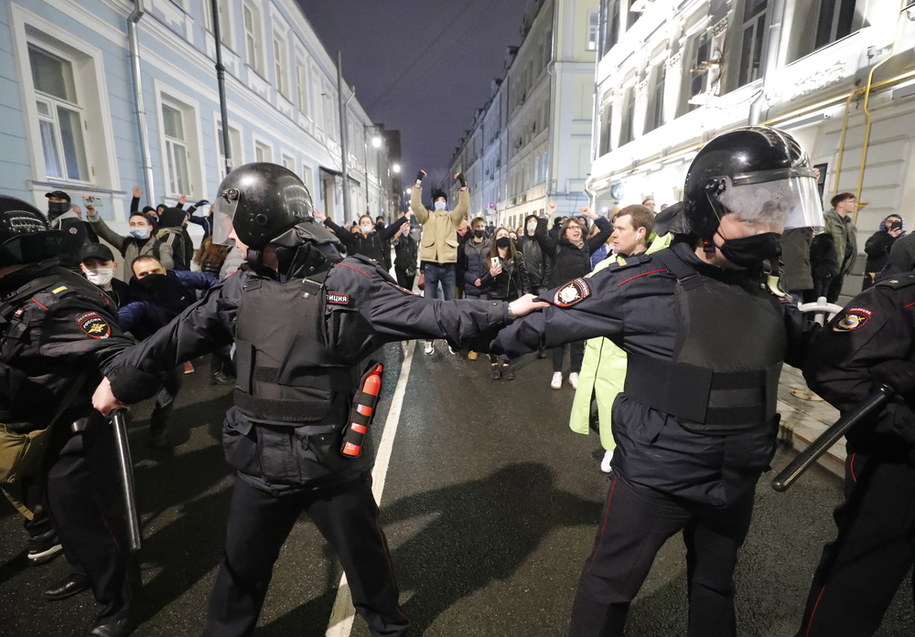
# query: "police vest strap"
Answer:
x=712 y=402
x=685 y=273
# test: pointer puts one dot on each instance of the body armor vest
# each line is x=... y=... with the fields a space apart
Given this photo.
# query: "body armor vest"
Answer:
x=287 y=372
x=723 y=377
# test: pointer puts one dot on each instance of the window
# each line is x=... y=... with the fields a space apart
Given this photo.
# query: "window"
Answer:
x=60 y=118
x=835 y=20
x=225 y=21
x=234 y=146
x=262 y=152
x=288 y=162
x=626 y=125
x=611 y=11
x=606 y=117
x=656 y=112
x=751 y=47
x=593 y=30
x=281 y=82
x=253 y=38
x=301 y=87
x=176 y=152
x=696 y=72
x=632 y=16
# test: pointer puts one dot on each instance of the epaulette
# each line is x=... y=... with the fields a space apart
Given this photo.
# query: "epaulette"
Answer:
x=899 y=281
x=52 y=296
x=629 y=262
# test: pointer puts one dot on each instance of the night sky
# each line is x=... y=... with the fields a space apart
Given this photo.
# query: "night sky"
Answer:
x=420 y=67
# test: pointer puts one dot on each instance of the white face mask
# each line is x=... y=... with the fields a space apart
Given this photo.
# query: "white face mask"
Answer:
x=365 y=229
x=532 y=226
x=440 y=205
x=100 y=276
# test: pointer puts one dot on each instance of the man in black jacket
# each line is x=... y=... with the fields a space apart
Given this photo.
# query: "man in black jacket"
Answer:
x=302 y=320
x=56 y=333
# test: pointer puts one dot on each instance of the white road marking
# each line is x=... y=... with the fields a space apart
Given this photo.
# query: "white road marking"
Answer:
x=341 y=617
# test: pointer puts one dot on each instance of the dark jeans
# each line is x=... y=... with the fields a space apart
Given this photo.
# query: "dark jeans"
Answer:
x=576 y=354
x=439 y=273
x=861 y=570
x=347 y=517
x=635 y=523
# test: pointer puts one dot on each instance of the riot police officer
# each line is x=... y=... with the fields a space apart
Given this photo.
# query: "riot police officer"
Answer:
x=302 y=319
x=695 y=424
x=868 y=344
x=56 y=331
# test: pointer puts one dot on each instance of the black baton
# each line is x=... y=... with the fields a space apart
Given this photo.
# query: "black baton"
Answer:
x=125 y=467
x=828 y=438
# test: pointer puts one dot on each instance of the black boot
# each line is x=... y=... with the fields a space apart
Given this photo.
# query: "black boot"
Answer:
x=507 y=373
x=495 y=372
x=68 y=587
x=120 y=624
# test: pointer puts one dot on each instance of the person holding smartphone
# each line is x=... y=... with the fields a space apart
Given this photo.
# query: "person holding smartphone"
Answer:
x=878 y=247
x=505 y=279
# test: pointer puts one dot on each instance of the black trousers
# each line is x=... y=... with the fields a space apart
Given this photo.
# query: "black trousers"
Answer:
x=576 y=356
x=404 y=280
x=165 y=399
x=861 y=570
x=259 y=522
x=635 y=523
x=85 y=500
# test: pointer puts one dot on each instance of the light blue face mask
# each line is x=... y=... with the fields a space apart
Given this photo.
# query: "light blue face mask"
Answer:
x=440 y=205
x=140 y=233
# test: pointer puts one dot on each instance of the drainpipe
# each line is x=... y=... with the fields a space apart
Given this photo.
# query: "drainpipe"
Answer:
x=221 y=83
x=134 y=44
x=342 y=105
x=771 y=63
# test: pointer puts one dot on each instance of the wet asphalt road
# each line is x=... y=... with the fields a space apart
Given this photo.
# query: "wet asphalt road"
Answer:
x=490 y=508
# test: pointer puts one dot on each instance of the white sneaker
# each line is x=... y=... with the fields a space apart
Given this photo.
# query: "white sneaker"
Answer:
x=605 y=463
x=429 y=349
x=451 y=350
x=556 y=383
x=573 y=380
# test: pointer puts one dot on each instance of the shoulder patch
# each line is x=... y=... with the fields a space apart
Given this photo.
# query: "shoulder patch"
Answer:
x=899 y=281
x=93 y=325
x=852 y=319
x=338 y=298
x=575 y=291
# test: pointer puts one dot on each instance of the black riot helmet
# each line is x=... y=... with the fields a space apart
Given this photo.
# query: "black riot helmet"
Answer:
x=263 y=202
x=761 y=173
x=25 y=236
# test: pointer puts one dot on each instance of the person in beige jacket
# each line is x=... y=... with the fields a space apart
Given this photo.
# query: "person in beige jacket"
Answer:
x=438 y=248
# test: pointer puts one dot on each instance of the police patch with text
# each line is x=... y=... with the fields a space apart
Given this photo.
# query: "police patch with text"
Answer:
x=571 y=293
x=338 y=298
x=852 y=319
x=93 y=324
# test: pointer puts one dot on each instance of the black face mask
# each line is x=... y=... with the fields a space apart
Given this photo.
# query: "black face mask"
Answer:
x=503 y=242
x=57 y=208
x=479 y=233
x=750 y=251
x=151 y=281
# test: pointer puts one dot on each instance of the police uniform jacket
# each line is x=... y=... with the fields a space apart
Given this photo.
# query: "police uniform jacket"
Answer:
x=876 y=326
x=737 y=331
x=55 y=326
x=278 y=443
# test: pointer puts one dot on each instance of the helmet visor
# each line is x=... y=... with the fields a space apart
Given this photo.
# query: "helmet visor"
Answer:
x=787 y=197
x=223 y=209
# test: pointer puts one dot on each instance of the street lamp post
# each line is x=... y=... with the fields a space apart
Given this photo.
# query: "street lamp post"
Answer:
x=376 y=143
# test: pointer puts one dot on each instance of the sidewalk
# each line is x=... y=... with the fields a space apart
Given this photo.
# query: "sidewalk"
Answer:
x=803 y=420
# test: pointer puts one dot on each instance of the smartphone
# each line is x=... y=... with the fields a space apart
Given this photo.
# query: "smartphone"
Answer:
x=896 y=225
x=495 y=261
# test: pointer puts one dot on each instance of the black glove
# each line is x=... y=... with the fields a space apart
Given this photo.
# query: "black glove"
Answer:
x=898 y=374
x=202 y=202
x=460 y=178
x=420 y=175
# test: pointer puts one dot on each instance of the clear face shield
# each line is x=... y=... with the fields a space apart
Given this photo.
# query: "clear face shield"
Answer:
x=223 y=213
x=786 y=197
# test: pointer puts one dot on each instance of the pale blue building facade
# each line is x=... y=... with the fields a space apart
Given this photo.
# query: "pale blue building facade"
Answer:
x=100 y=96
